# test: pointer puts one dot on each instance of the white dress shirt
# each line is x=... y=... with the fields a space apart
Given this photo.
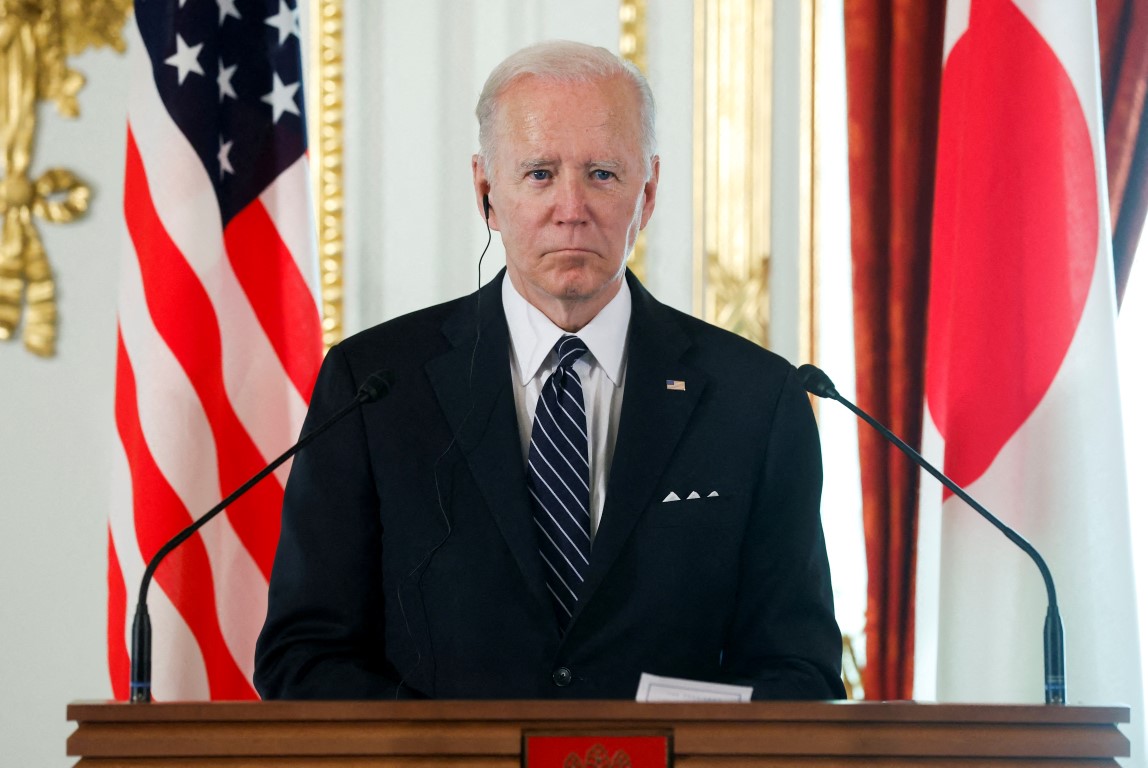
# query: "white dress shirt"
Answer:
x=602 y=372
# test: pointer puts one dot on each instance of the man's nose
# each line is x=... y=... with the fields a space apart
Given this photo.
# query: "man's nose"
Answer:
x=570 y=201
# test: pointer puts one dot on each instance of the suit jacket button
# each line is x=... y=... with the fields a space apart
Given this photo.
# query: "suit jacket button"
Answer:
x=562 y=677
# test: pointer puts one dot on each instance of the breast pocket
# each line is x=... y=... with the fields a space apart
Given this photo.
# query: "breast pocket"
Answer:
x=704 y=512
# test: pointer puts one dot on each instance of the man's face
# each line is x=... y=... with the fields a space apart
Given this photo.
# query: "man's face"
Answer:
x=568 y=191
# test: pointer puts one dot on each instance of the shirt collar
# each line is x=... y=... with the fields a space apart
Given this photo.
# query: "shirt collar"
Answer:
x=533 y=335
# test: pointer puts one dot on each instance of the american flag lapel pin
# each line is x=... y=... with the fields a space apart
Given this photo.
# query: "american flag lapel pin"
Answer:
x=675 y=385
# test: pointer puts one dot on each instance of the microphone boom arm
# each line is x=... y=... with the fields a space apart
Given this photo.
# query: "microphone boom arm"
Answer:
x=375 y=387
x=817 y=383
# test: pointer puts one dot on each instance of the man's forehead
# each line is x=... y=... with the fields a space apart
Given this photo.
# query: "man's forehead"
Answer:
x=608 y=102
x=529 y=82
x=539 y=113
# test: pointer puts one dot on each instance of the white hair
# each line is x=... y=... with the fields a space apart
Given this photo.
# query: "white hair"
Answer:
x=562 y=61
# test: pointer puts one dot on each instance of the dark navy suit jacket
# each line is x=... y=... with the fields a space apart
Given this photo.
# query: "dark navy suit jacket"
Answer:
x=407 y=564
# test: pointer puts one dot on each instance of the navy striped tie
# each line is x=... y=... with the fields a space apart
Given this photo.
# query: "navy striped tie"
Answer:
x=558 y=474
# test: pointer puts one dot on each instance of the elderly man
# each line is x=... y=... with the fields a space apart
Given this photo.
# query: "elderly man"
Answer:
x=570 y=483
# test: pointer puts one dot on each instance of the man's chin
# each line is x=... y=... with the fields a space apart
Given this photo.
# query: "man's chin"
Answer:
x=572 y=284
x=585 y=287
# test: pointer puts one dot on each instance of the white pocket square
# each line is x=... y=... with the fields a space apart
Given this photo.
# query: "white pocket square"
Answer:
x=672 y=496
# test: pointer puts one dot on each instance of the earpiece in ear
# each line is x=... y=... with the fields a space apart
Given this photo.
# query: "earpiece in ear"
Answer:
x=486 y=206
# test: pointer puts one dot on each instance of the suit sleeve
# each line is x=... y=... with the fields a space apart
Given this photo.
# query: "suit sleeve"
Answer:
x=323 y=637
x=785 y=640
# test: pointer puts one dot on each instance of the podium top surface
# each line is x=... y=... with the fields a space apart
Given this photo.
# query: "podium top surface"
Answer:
x=489 y=710
x=492 y=734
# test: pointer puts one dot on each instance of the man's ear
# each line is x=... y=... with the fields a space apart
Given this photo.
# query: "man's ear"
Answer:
x=650 y=190
x=482 y=191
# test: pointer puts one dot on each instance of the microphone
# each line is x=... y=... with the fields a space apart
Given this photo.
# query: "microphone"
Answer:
x=376 y=387
x=816 y=382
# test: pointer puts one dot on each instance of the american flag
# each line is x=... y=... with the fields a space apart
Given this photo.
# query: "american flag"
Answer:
x=218 y=330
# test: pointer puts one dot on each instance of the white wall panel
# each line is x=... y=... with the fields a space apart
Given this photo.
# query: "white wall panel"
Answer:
x=414 y=73
x=670 y=46
x=56 y=440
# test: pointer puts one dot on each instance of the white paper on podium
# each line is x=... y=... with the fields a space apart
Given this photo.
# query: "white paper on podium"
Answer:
x=655 y=688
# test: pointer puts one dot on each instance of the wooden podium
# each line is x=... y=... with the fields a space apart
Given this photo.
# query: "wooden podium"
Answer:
x=491 y=733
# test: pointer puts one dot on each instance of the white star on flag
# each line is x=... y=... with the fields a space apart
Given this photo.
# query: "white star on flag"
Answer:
x=227 y=8
x=281 y=98
x=286 y=21
x=223 y=80
x=185 y=59
x=224 y=157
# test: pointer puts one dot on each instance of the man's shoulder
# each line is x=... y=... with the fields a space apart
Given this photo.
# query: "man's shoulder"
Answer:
x=719 y=349
x=417 y=333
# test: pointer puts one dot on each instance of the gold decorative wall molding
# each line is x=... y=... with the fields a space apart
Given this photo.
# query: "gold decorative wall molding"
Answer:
x=809 y=211
x=632 y=46
x=36 y=37
x=325 y=126
x=733 y=91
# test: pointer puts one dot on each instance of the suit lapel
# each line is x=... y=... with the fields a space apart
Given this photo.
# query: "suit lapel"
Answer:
x=652 y=422
x=480 y=410
x=473 y=387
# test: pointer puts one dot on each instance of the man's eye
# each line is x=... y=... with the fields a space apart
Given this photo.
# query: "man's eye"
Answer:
x=601 y=175
x=540 y=175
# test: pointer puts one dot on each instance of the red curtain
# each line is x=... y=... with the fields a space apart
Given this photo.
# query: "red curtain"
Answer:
x=893 y=51
x=893 y=63
x=1124 y=82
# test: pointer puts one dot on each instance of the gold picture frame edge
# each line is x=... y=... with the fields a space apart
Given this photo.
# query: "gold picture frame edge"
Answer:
x=326 y=131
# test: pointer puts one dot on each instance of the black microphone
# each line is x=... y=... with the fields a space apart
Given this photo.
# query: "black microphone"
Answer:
x=376 y=387
x=817 y=383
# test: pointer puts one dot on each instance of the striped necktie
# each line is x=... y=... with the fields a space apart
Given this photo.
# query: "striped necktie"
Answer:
x=558 y=475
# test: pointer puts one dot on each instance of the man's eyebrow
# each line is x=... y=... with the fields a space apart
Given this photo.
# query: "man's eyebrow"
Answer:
x=535 y=163
x=545 y=162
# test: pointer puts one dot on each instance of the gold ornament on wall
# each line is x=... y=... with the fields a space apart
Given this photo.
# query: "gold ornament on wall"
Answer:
x=36 y=37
